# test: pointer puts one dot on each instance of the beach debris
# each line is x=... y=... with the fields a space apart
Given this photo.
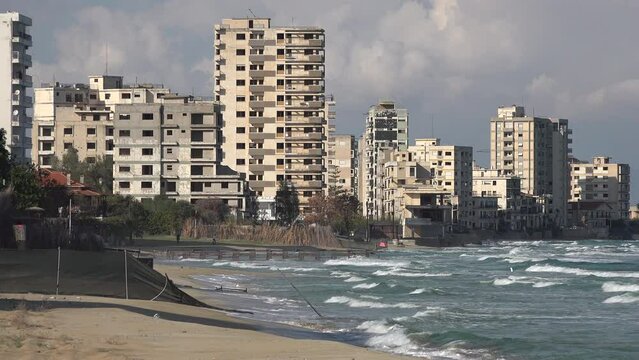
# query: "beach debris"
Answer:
x=156 y=316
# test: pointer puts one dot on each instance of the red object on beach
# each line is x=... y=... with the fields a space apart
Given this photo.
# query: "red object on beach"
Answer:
x=381 y=244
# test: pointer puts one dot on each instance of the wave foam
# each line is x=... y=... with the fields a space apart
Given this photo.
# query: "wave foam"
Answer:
x=364 y=261
x=543 y=284
x=365 y=286
x=582 y=272
x=430 y=310
x=406 y=273
x=616 y=287
x=355 y=303
x=354 y=279
x=417 y=291
x=626 y=298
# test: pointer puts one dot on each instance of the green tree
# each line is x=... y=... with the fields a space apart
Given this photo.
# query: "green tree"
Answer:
x=27 y=187
x=182 y=210
x=5 y=160
x=70 y=164
x=286 y=203
x=99 y=175
x=128 y=214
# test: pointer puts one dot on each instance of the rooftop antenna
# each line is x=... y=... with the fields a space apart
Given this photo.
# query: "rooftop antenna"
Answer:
x=106 y=61
x=251 y=11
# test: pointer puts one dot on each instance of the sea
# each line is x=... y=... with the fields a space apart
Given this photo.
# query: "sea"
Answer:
x=501 y=300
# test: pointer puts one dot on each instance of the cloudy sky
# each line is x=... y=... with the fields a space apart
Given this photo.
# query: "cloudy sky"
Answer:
x=451 y=61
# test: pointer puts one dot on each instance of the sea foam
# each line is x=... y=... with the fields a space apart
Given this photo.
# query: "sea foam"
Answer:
x=626 y=298
x=417 y=291
x=582 y=272
x=363 y=261
x=365 y=286
x=616 y=287
x=406 y=273
x=355 y=303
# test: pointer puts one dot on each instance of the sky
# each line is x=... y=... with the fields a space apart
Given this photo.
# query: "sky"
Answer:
x=450 y=63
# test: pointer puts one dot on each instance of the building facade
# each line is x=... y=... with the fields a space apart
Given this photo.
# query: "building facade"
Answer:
x=342 y=163
x=536 y=150
x=601 y=180
x=386 y=129
x=271 y=82
x=15 y=103
x=80 y=116
x=172 y=147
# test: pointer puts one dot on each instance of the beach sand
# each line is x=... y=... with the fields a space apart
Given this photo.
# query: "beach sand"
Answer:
x=83 y=327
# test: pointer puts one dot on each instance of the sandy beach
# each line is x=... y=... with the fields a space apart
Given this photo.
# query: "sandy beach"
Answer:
x=83 y=327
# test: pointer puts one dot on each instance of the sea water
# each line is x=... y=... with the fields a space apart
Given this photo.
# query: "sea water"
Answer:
x=505 y=300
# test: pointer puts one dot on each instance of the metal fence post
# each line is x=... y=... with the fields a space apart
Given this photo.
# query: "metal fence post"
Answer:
x=126 y=277
x=57 y=281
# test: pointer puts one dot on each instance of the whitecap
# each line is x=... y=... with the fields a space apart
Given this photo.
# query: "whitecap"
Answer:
x=355 y=303
x=543 y=284
x=616 y=287
x=417 y=291
x=430 y=310
x=365 y=286
x=582 y=272
x=364 y=261
x=354 y=279
x=406 y=273
x=626 y=298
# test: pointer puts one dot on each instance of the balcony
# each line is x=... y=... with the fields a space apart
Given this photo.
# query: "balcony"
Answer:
x=312 y=184
x=305 y=58
x=18 y=100
x=304 y=136
x=258 y=184
x=261 y=152
x=24 y=80
x=15 y=120
x=18 y=57
x=261 y=120
x=306 y=74
x=261 y=42
x=22 y=38
x=258 y=74
x=261 y=167
x=306 y=104
x=261 y=104
x=314 y=120
x=302 y=168
x=303 y=152
x=261 y=135
x=305 y=88
x=305 y=42
x=261 y=88
x=260 y=58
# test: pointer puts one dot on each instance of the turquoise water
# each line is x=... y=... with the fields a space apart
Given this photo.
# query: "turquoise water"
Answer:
x=507 y=300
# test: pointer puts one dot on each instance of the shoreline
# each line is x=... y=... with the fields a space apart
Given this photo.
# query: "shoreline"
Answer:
x=44 y=326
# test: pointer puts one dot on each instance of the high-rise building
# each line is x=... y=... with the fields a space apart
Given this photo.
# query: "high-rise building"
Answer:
x=342 y=162
x=80 y=116
x=270 y=81
x=386 y=130
x=536 y=150
x=599 y=181
x=172 y=147
x=15 y=103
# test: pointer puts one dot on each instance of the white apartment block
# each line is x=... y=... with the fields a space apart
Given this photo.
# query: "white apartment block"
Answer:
x=493 y=183
x=386 y=129
x=15 y=103
x=270 y=81
x=172 y=147
x=342 y=163
x=536 y=150
x=603 y=181
x=81 y=116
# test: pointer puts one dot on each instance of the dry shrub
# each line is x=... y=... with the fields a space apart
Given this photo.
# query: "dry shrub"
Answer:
x=20 y=319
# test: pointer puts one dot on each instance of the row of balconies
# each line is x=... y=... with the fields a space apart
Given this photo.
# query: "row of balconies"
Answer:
x=304 y=136
x=301 y=88
x=304 y=168
x=305 y=58
x=299 y=41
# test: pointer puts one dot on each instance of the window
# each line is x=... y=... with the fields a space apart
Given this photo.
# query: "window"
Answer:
x=197 y=170
x=124 y=133
x=225 y=185
x=240 y=162
x=96 y=117
x=240 y=99
x=169 y=167
x=90 y=131
x=67 y=146
x=169 y=116
x=146 y=185
x=240 y=82
x=147 y=151
x=124 y=151
x=240 y=52
x=169 y=150
x=169 y=133
x=147 y=133
x=90 y=146
x=124 y=169
x=240 y=130
x=124 y=117
x=126 y=95
x=197 y=136
x=147 y=169
x=240 y=146
x=68 y=131
x=240 y=68
x=125 y=185
x=197 y=153
x=147 y=116
x=93 y=96
x=107 y=96
x=240 y=36
x=240 y=114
